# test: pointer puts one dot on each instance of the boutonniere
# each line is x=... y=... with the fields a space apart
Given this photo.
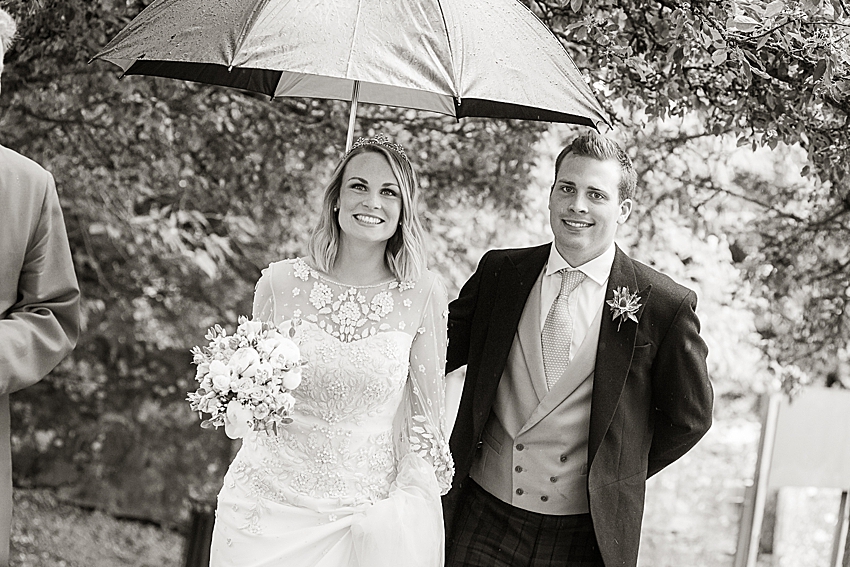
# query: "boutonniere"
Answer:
x=624 y=305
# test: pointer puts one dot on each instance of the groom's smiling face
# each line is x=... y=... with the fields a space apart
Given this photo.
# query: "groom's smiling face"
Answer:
x=585 y=208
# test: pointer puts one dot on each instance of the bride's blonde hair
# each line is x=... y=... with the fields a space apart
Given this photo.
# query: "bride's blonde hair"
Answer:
x=405 y=250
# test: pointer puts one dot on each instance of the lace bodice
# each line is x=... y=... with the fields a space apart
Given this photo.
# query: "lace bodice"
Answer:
x=372 y=390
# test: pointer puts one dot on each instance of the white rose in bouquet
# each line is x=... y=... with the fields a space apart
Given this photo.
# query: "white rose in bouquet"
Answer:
x=222 y=382
x=242 y=359
x=268 y=343
x=292 y=378
x=237 y=420
x=287 y=352
x=257 y=393
x=261 y=369
x=252 y=370
x=241 y=384
x=217 y=367
x=261 y=411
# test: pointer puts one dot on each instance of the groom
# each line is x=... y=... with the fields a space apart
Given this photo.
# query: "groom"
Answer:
x=586 y=375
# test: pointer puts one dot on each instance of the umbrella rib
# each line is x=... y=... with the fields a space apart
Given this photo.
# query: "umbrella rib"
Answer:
x=249 y=23
x=353 y=38
x=451 y=49
x=570 y=57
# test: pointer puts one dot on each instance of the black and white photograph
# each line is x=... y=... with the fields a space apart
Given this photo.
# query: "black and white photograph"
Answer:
x=424 y=283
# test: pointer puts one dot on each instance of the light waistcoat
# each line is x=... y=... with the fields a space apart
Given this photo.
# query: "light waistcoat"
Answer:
x=534 y=451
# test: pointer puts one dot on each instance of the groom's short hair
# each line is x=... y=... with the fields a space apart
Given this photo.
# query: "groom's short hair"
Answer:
x=594 y=145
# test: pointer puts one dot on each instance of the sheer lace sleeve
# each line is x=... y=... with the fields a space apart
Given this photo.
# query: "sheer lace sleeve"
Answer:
x=423 y=430
x=264 y=296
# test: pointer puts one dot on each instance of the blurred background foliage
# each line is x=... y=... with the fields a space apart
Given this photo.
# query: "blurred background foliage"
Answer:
x=177 y=195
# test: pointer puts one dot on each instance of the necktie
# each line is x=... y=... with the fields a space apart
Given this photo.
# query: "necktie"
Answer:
x=557 y=333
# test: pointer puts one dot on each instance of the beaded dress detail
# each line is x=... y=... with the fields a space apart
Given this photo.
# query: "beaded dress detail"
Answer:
x=369 y=416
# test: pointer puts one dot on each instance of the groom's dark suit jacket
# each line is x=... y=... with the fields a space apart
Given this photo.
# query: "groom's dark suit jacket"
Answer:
x=651 y=401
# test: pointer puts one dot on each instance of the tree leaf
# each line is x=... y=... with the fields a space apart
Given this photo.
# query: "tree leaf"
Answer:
x=679 y=18
x=820 y=69
x=205 y=262
x=810 y=6
x=742 y=19
x=774 y=8
x=742 y=23
x=576 y=5
x=748 y=74
x=715 y=35
x=759 y=72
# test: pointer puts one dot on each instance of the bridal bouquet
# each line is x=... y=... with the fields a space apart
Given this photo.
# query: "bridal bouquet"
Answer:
x=245 y=378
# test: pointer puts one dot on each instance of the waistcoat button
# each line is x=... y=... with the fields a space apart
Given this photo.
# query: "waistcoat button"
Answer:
x=520 y=491
x=518 y=468
x=520 y=447
x=544 y=498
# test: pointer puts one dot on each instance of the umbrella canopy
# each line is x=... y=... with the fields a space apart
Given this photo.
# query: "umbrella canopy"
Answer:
x=463 y=58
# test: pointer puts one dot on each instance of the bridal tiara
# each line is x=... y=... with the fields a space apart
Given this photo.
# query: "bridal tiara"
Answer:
x=379 y=140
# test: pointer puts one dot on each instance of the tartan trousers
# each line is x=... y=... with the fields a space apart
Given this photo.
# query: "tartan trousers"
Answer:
x=487 y=532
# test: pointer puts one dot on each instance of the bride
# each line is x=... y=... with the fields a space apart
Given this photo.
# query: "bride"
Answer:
x=356 y=478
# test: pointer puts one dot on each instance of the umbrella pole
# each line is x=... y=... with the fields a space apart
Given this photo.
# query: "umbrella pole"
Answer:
x=355 y=94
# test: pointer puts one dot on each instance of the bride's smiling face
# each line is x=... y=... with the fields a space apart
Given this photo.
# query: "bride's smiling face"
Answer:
x=369 y=199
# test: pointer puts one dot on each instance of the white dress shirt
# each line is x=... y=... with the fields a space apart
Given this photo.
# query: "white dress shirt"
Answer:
x=585 y=299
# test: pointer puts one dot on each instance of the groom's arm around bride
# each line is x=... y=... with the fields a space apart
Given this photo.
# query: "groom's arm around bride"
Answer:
x=586 y=375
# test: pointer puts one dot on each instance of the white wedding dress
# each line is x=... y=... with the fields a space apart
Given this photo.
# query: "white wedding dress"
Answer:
x=356 y=478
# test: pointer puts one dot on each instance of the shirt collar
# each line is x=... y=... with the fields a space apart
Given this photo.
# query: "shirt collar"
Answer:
x=598 y=269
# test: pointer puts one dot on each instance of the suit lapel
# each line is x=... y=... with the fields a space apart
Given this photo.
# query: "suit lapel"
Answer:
x=513 y=285
x=528 y=337
x=614 y=354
